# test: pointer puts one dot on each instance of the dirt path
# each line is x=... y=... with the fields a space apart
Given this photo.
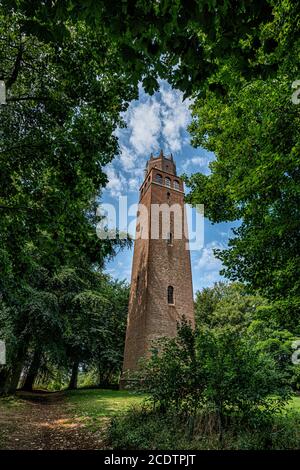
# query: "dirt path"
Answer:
x=43 y=421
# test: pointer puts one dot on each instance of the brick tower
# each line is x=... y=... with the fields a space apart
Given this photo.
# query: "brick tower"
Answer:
x=161 y=282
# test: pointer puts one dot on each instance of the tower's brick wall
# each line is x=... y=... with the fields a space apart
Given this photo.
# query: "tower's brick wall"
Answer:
x=158 y=264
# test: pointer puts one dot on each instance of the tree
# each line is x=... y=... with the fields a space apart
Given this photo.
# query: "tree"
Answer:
x=232 y=306
x=255 y=178
x=64 y=102
x=233 y=369
x=189 y=46
x=94 y=312
x=110 y=339
x=227 y=304
x=173 y=40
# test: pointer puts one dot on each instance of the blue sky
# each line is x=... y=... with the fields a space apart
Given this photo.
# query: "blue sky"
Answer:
x=153 y=123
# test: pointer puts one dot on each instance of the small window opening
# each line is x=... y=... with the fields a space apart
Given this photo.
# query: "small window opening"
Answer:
x=168 y=182
x=158 y=179
x=171 y=295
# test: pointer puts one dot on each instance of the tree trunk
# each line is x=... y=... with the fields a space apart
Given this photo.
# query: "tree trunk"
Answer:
x=10 y=375
x=74 y=376
x=220 y=425
x=15 y=377
x=4 y=378
x=33 y=370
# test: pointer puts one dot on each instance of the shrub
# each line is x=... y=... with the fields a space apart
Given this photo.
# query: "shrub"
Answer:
x=214 y=370
x=142 y=428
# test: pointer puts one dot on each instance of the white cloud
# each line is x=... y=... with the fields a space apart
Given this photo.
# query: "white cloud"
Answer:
x=161 y=118
x=134 y=184
x=152 y=122
x=197 y=162
x=208 y=279
x=127 y=158
x=207 y=260
x=175 y=117
x=224 y=234
x=208 y=266
x=116 y=181
x=144 y=124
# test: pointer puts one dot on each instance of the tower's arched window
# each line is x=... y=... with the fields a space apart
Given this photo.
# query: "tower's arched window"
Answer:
x=158 y=179
x=170 y=238
x=168 y=182
x=176 y=184
x=170 y=295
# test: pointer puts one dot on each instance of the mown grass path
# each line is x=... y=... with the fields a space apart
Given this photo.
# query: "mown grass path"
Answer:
x=62 y=420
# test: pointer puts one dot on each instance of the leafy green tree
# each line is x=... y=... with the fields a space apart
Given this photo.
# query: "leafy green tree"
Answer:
x=180 y=42
x=171 y=376
x=94 y=311
x=110 y=334
x=255 y=178
x=235 y=365
x=239 y=377
x=63 y=104
x=231 y=306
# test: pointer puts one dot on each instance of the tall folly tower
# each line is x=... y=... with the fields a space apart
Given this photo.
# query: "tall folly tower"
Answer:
x=161 y=282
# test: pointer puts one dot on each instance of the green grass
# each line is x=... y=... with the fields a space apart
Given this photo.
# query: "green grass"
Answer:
x=141 y=430
x=295 y=404
x=11 y=403
x=94 y=406
x=92 y=409
x=146 y=429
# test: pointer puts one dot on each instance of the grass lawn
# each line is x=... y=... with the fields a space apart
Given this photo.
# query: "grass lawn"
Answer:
x=11 y=403
x=79 y=419
x=62 y=420
x=94 y=406
x=295 y=404
x=154 y=431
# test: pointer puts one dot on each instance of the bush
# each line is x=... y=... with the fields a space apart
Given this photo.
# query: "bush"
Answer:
x=142 y=429
x=226 y=383
x=239 y=379
x=218 y=369
x=171 y=376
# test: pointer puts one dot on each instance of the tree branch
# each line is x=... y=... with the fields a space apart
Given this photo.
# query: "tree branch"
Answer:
x=22 y=146
x=28 y=98
x=18 y=208
x=17 y=67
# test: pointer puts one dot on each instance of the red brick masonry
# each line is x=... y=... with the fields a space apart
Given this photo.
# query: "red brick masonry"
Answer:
x=157 y=264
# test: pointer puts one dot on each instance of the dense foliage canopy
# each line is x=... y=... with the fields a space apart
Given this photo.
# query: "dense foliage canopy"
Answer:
x=70 y=69
x=63 y=104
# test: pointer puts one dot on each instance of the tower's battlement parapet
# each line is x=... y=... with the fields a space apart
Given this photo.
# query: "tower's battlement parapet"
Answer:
x=162 y=162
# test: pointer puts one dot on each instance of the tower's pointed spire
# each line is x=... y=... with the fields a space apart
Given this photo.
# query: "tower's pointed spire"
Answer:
x=161 y=153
